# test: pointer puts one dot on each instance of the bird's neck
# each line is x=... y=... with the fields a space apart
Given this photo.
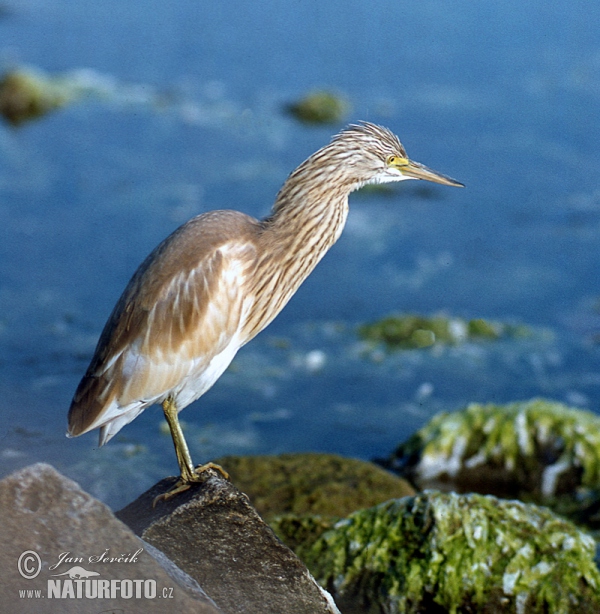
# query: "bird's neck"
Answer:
x=311 y=208
x=307 y=219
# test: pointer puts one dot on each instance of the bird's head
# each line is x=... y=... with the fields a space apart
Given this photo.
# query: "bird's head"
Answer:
x=372 y=154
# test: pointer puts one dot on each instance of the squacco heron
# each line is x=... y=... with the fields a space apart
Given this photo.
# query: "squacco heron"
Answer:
x=220 y=279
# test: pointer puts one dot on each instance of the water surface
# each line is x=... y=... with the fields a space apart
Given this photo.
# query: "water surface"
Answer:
x=503 y=97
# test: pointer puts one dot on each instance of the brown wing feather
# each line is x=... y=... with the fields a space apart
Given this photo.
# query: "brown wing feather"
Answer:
x=167 y=315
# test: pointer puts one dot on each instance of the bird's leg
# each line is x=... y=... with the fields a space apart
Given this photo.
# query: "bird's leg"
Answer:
x=189 y=474
x=182 y=451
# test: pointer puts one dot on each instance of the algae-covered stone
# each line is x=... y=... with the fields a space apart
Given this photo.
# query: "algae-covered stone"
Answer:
x=410 y=331
x=312 y=483
x=536 y=450
x=26 y=95
x=452 y=553
x=320 y=107
x=300 y=532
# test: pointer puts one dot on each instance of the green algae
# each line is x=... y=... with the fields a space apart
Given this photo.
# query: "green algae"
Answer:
x=536 y=443
x=27 y=95
x=311 y=483
x=455 y=553
x=320 y=107
x=300 y=532
x=410 y=331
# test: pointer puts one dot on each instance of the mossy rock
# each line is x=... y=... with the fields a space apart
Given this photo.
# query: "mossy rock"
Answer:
x=300 y=532
x=538 y=450
x=26 y=95
x=312 y=483
x=410 y=331
x=458 y=554
x=320 y=107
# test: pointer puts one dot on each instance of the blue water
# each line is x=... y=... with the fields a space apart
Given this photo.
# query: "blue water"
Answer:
x=504 y=97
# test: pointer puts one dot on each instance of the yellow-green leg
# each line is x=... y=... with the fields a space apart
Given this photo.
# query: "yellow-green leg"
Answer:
x=184 y=459
x=189 y=474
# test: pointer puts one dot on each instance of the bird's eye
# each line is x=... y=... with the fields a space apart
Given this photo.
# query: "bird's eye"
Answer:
x=396 y=161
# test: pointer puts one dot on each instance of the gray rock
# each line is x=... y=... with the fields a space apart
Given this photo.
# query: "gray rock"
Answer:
x=71 y=537
x=213 y=533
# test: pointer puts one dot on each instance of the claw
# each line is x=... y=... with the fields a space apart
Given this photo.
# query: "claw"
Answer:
x=185 y=484
x=202 y=468
x=179 y=487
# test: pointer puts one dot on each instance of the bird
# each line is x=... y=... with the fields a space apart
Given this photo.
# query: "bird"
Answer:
x=217 y=281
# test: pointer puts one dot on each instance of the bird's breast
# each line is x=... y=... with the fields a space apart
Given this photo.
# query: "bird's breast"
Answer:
x=200 y=379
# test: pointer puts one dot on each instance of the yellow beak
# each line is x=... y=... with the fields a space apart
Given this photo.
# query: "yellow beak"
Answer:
x=418 y=171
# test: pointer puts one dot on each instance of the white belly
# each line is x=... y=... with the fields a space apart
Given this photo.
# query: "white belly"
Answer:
x=196 y=384
x=192 y=386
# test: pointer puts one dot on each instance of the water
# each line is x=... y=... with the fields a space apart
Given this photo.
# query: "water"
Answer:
x=503 y=97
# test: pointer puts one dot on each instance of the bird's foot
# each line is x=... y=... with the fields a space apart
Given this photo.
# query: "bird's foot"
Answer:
x=184 y=483
x=200 y=469
x=178 y=487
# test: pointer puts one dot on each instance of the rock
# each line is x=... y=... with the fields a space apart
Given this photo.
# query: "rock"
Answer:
x=310 y=483
x=449 y=553
x=300 y=532
x=539 y=451
x=213 y=533
x=25 y=95
x=409 y=331
x=49 y=523
x=28 y=93
x=320 y=107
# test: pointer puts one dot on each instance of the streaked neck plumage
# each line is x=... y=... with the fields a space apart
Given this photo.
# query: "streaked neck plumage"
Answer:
x=308 y=217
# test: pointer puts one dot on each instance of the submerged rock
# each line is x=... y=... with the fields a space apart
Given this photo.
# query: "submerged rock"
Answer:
x=537 y=450
x=409 y=331
x=311 y=483
x=320 y=107
x=452 y=553
x=27 y=95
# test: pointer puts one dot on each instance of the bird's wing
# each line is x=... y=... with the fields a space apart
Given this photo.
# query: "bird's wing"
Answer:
x=180 y=310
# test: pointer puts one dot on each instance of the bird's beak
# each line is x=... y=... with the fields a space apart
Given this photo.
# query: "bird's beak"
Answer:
x=414 y=170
